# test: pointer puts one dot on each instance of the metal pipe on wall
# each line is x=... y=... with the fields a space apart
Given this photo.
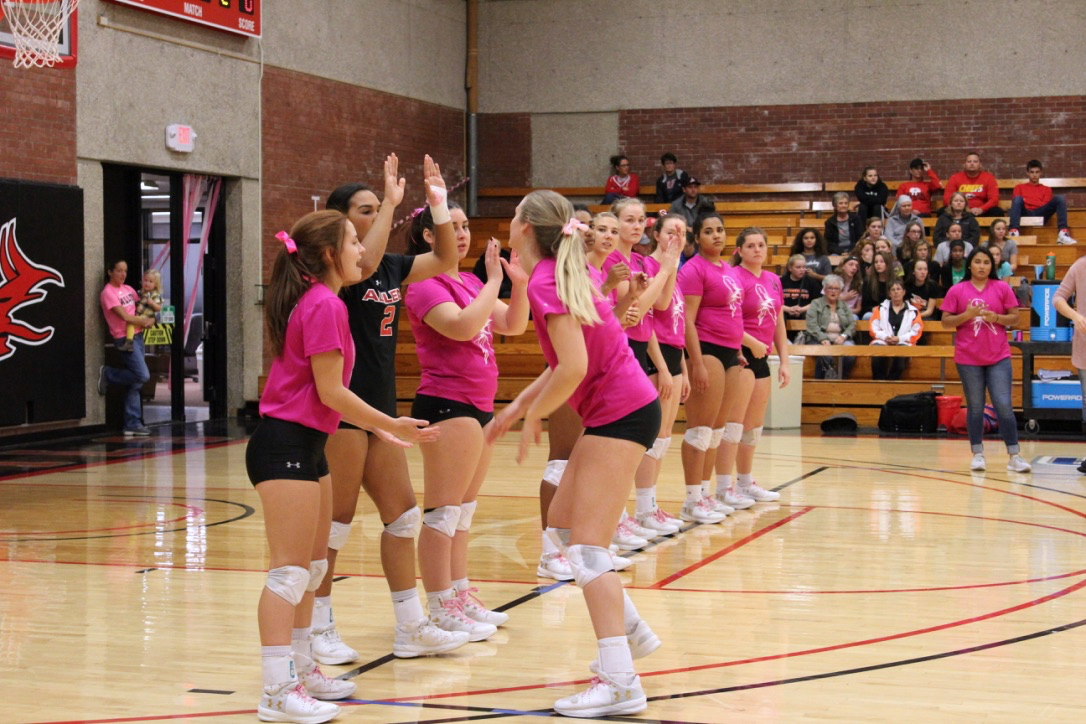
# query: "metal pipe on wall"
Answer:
x=470 y=83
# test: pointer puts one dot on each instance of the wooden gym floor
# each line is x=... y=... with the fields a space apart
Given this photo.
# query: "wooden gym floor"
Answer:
x=888 y=584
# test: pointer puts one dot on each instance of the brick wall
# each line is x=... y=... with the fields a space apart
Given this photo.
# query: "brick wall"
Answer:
x=319 y=134
x=505 y=155
x=37 y=137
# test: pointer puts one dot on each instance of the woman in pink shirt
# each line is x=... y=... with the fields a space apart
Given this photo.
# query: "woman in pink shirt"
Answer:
x=591 y=365
x=980 y=308
x=1074 y=285
x=763 y=332
x=118 y=302
x=305 y=396
x=453 y=317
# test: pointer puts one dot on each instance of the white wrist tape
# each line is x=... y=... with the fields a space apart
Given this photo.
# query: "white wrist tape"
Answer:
x=440 y=211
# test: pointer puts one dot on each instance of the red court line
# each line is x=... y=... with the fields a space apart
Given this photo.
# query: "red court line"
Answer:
x=29 y=464
x=738 y=544
x=193 y=510
x=71 y=453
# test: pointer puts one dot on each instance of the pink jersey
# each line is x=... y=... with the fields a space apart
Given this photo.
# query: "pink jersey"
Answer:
x=720 y=315
x=317 y=324
x=762 y=302
x=978 y=342
x=670 y=323
x=124 y=297
x=463 y=371
x=642 y=331
x=598 y=277
x=614 y=384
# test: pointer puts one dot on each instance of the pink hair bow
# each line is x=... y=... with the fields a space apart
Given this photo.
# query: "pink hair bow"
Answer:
x=573 y=225
x=284 y=237
x=417 y=211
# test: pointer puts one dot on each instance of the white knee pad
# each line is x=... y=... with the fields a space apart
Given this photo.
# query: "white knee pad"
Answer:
x=718 y=435
x=317 y=569
x=288 y=582
x=406 y=525
x=588 y=563
x=337 y=537
x=751 y=436
x=733 y=432
x=698 y=437
x=467 y=511
x=553 y=472
x=659 y=448
x=443 y=519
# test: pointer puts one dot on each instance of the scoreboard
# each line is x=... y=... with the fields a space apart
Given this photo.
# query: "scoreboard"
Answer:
x=233 y=16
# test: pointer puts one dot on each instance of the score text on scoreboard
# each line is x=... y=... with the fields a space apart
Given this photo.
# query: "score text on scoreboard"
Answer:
x=233 y=16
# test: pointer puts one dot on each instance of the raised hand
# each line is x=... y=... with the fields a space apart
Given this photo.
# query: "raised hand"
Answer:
x=493 y=260
x=435 y=184
x=394 y=184
x=514 y=270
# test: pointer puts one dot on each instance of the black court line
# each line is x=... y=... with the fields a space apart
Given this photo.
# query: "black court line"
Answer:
x=209 y=691
x=793 y=481
x=337 y=579
x=146 y=570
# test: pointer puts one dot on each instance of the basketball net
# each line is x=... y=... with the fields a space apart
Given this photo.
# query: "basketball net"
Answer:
x=36 y=26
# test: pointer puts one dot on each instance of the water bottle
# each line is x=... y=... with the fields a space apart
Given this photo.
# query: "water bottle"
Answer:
x=1050 y=267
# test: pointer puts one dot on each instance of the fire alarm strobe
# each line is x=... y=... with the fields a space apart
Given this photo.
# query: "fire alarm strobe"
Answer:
x=180 y=138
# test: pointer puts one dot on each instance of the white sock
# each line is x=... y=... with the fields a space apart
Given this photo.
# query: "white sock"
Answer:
x=705 y=486
x=407 y=606
x=746 y=480
x=322 y=613
x=646 y=500
x=549 y=548
x=301 y=648
x=723 y=484
x=630 y=616
x=693 y=493
x=277 y=665
x=433 y=600
x=461 y=584
x=615 y=658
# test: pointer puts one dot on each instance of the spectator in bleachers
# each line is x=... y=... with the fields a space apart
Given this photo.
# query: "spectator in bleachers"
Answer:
x=872 y=194
x=980 y=188
x=998 y=237
x=830 y=320
x=865 y=252
x=1002 y=269
x=914 y=234
x=953 y=233
x=692 y=203
x=899 y=217
x=876 y=283
x=872 y=232
x=895 y=323
x=844 y=228
x=955 y=269
x=810 y=244
x=1035 y=199
x=921 y=290
x=883 y=246
x=956 y=211
x=798 y=289
x=670 y=184
x=622 y=182
x=923 y=251
x=852 y=291
x=921 y=186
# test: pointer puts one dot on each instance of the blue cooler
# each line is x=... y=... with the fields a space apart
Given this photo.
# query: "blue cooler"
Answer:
x=1045 y=323
x=1057 y=393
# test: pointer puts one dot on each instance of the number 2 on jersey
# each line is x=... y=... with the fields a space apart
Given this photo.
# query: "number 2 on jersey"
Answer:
x=386 y=323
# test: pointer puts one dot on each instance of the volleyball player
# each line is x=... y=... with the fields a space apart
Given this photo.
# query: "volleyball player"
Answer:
x=454 y=317
x=359 y=459
x=591 y=365
x=305 y=396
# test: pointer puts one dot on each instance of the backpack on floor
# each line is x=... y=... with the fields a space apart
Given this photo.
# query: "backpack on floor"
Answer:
x=914 y=412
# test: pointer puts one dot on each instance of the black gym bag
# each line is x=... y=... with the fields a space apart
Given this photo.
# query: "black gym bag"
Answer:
x=914 y=412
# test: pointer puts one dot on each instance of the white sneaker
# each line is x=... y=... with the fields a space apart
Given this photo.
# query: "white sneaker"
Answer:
x=290 y=703
x=423 y=637
x=1018 y=465
x=735 y=499
x=451 y=617
x=1065 y=239
x=758 y=493
x=329 y=650
x=700 y=511
x=620 y=563
x=625 y=539
x=554 y=565
x=978 y=462
x=475 y=609
x=719 y=505
x=604 y=697
x=659 y=522
x=1012 y=232
x=639 y=530
x=319 y=686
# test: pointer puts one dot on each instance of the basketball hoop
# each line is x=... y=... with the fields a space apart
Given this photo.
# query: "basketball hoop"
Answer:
x=36 y=26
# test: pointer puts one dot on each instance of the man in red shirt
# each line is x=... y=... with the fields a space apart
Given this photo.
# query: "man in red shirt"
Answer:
x=980 y=188
x=1036 y=199
x=921 y=186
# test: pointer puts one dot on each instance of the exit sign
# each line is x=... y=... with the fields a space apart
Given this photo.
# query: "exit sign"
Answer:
x=233 y=16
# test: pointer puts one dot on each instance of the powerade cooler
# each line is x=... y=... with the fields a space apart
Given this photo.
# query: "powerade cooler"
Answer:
x=1045 y=323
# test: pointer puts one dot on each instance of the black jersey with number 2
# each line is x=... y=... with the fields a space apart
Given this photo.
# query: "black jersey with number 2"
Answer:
x=373 y=311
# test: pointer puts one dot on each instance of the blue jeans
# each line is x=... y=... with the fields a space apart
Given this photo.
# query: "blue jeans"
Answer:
x=1057 y=206
x=133 y=376
x=997 y=379
x=1082 y=384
